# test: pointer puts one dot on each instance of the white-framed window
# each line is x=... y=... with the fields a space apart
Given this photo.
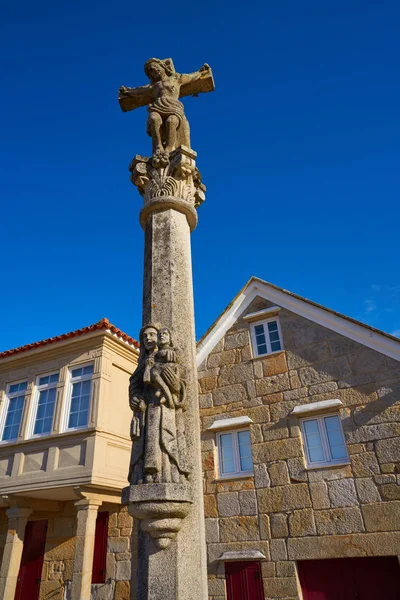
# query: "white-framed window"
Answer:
x=11 y=415
x=234 y=453
x=44 y=404
x=79 y=396
x=266 y=336
x=323 y=440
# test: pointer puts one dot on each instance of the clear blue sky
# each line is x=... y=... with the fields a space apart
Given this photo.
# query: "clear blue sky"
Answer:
x=298 y=146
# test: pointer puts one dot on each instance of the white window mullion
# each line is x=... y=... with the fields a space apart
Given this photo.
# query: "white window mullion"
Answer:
x=236 y=455
x=324 y=439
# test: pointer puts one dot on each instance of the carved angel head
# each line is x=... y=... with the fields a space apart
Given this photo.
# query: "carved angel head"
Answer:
x=156 y=68
x=164 y=337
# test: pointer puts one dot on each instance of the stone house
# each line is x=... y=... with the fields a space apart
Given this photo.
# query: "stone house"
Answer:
x=300 y=412
x=64 y=454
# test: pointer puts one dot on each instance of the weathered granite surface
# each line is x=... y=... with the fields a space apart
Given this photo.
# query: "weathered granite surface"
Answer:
x=296 y=513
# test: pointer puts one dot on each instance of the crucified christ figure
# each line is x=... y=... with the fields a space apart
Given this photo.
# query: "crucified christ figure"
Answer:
x=167 y=124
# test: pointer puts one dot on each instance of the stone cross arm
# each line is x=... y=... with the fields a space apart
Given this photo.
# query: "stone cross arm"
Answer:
x=191 y=84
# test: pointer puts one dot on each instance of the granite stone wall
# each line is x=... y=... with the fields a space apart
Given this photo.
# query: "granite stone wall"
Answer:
x=286 y=511
x=60 y=549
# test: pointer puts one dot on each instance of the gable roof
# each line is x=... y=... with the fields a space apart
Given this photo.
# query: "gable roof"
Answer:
x=102 y=324
x=359 y=332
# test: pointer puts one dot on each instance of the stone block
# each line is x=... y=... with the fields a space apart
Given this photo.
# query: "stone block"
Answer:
x=323 y=388
x=308 y=355
x=259 y=414
x=295 y=394
x=205 y=400
x=274 y=364
x=113 y=520
x=210 y=506
x=353 y=396
x=277 y=450
x=123 y=570
x=110 y=566
x=124 y=520
x=237 y=340
x=286 y=568
x=251 y=389
x=212 y=530
x=384 y=516
x=228 y=504
x=274 y=431
x=368 y=433
x=103 y=591
x=122 y=590
x=355 y=449
x=116 y=545
x=365 y=464
x=388 y=450
x=385 y=478
x=233 y=374
x=390 y=491
x=248 y=502
x=306 y=334
x=367 y=490
x=256 y=433
x=52 y=589
x=367 y=361
x=240 y=529
x=375 y=415
x=208 y=384
x=229 y=394
x=294 y=380
x=228 y=357
x=342 y=345
x=319 y=495
x=281 y=587
x=261 y=477
x=282 y=498
x=273 y=384
x=264 y=524
x=279 y=525
x=278 y=550
x=267 y=569
x=388 y=467
x=330 y=474
x=330 y=370
x=301 y=522
x=339 y=521
x=297 y=469
x=216 y=587
x=60 y=549
x=342 y=493
x=272 y=398
x=358 y=544
x=278 y=473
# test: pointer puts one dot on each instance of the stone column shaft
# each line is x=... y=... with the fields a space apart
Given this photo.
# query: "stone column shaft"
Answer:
x=84 y=548
x=168 y=299
x=17 y=520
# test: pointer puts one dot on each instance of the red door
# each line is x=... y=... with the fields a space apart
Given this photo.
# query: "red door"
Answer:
x=369 y=578
x=100 y=548
x=244 y=581
x=30 y=572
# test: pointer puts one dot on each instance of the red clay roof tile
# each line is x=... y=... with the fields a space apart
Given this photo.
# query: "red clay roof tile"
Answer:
x=103 y=324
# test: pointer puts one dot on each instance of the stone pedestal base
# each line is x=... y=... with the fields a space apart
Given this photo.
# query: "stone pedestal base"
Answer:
x=160 y=507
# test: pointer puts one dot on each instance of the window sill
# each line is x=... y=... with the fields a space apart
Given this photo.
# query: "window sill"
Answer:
x=233 y=477
x=269 y=354
x=327 y=465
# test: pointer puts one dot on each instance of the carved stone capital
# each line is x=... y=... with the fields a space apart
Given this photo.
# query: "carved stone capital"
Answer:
x=169 y=181
x=160 y=507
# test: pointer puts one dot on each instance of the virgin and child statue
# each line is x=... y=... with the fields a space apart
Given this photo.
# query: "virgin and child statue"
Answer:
x=157 y=397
